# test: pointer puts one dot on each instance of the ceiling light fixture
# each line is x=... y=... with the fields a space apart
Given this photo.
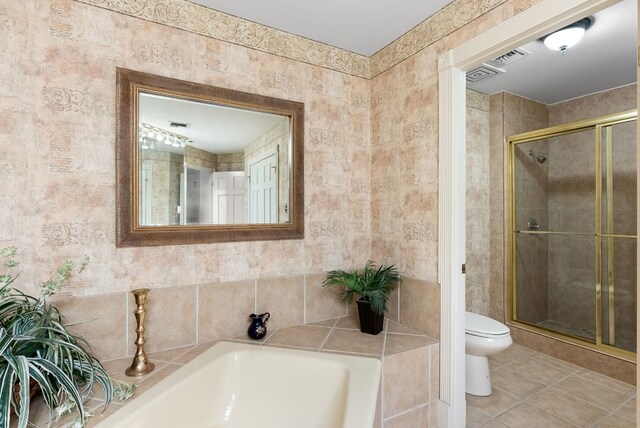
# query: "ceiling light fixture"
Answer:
x=148 y=135
x=568 y=36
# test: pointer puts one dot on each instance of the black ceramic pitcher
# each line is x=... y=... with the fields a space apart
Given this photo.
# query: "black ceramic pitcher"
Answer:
x=258 y=328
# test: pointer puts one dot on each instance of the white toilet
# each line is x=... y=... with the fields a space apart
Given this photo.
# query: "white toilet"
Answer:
x=483 y=336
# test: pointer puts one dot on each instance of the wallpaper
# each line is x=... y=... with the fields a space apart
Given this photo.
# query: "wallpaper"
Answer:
x=200 y=20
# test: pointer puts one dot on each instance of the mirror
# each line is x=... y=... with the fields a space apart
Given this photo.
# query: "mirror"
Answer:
x=198 y=163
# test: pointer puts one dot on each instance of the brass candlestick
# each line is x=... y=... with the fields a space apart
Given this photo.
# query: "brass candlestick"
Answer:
x=140 y=365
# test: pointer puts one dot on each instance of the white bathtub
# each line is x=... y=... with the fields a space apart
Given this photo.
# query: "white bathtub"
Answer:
x=235 y=385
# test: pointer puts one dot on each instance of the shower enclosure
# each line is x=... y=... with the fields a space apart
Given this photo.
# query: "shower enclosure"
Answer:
x=572 y=246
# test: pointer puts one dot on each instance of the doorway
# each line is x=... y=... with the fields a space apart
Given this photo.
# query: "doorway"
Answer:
x=535 y=22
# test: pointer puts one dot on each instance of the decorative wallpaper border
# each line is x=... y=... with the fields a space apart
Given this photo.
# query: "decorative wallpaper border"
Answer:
x=207 y=22
x=444 y=22
x=187 y=16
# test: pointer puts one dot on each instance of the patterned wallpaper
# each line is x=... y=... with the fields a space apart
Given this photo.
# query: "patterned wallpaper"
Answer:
x=200 y=20
x=197 y=19
x=371 y=145
x=57 y=143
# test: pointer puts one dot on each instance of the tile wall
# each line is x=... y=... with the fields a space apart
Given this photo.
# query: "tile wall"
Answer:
x=571 y=208
x=478 y=205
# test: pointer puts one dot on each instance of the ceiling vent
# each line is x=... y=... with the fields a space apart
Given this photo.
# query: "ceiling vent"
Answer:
x=178 y=125
x=509 y=58
x=482 y=72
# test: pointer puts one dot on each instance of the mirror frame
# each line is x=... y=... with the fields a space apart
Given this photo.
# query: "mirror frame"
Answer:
x=129 y=233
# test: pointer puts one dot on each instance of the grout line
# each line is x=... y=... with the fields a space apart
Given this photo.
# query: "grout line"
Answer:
x=404 y=412
x=333 y=327
x=304 y=300
x=597 y=380
x=197 y=314
x=255 y=296
x=126 y=324
x=619 y=407
x=383 y=364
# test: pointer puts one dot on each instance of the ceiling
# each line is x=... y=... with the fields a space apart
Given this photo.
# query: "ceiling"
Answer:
x=212 y=128
x=360 y=26
x=604 y=59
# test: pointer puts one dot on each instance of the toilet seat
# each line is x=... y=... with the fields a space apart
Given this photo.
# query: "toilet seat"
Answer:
x=481 y=326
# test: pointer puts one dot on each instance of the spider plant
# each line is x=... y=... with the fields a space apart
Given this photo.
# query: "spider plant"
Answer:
x=373 y=284
x=36 y=347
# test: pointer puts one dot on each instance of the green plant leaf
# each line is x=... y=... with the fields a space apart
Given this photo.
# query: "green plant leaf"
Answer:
x=373 y=284
x=6 y=390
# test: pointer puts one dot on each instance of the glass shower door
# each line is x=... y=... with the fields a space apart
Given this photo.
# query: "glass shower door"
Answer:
x=573 y=226
x=617 y=235
x=555 y=195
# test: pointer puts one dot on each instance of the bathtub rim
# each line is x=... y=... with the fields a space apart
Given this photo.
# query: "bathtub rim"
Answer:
x=363 y=381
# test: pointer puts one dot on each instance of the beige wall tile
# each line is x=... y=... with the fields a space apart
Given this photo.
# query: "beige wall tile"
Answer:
x=224 y=309
x=322 y=303
x=283 y=298
x=102 y=321
x=434 y=375
x=477 y=203
x=405 y=381
x=420 y=306
x=170 y=320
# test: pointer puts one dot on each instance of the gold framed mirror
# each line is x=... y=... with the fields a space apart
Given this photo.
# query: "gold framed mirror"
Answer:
x=201 y=164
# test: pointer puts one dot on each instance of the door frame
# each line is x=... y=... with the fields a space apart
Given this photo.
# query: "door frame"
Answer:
x=538 y=20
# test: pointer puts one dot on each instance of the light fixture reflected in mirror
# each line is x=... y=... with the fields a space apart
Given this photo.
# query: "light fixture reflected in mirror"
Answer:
x=148 y=135
x=568 y=36
x=135 y=89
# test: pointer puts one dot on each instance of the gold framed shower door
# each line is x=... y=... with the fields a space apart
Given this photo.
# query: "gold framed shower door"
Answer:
x=602 y=128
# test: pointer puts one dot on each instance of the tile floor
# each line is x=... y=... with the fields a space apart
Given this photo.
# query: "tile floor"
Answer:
x=534 y=390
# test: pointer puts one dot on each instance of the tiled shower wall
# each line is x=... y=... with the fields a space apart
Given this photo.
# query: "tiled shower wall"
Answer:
x=559 y=300
x=524 y=115
x=556 y=273
x=571 y=208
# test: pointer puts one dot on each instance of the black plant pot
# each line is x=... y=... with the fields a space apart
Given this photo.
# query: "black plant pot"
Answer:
x=370 y=322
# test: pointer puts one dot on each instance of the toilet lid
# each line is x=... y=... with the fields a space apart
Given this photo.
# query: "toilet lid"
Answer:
x=480 y=324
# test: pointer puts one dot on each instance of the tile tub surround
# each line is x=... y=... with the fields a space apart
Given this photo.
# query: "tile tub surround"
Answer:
x=190 y=315
x=410 y=364
x=531 y=389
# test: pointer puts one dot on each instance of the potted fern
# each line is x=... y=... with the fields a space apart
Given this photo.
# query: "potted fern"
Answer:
x=38 y=350
x=373 y=285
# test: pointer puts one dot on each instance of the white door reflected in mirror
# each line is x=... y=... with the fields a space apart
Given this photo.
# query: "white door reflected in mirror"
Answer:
x=203 y=163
